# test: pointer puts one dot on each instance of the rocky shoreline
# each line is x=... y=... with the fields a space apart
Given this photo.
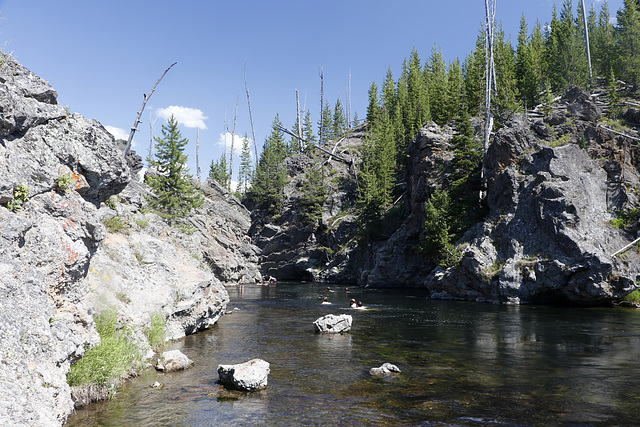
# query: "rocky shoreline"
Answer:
x=81 y=241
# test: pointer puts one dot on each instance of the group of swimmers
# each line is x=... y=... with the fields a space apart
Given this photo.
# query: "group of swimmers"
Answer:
x=272 y=281
x=352 y=302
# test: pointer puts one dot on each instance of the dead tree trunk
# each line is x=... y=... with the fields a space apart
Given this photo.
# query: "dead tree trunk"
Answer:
x=321 y=105
x=233 y=137
x=253 y=131
x=198 y=154
x=300 y=144
x=490 y=82
x=134 y=128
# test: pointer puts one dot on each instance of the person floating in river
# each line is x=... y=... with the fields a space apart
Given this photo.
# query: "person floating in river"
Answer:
x=325 y=300
x=352 y=303
x=329 y=289
x=359 y=306
x=272 y=280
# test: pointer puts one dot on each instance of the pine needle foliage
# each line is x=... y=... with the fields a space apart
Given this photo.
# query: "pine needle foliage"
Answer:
x=175 y=194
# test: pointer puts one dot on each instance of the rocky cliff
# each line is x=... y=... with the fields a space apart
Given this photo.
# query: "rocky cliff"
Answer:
x=62 y=178
x=554 y=183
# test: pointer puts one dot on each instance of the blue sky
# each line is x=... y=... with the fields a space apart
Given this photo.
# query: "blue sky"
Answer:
x=103 y=56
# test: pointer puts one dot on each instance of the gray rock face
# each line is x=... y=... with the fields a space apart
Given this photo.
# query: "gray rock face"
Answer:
x=248 y=376
x=173 y=360
x=59 y=265
x=547 y=237
x=332 y=324
x=292 y=249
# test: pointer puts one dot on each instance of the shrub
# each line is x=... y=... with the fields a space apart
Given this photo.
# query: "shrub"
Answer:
x=633 y=297
x=116 y=224
x=63 y=183
x=111 y=202
x=20 y=196
x=114 y=359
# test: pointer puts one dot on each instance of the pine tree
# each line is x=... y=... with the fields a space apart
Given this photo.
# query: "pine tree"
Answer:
x=307 y=133
x=603 y=43
x=271 y=176
x=436 y=86
x=377 y=175
x=219 y=171
x=245 y=173
x=339 y=120
x=628 y=41
x=373 y=109
x=473 y=70
x=176 y=195
x=506 y=99
x=327 y=124
x=455 y=91
x=314 y=195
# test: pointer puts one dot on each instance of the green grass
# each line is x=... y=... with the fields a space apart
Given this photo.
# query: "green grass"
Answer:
x=156 y=333
x=114 y=359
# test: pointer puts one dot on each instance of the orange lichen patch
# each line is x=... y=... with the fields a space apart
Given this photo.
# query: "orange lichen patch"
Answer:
x=68 y=224
x=79 y=181
x=70 y=256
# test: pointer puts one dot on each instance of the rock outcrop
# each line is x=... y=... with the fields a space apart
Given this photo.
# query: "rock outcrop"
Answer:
x=62 y=178
x=322 y=251
x=550 y=198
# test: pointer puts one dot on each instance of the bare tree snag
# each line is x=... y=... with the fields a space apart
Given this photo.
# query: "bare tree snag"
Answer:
x=253 y=131
x=233 y=137
x=198 y=154
x=321 y=105
x=134 y=128
x=490 y=82
x=300 y=145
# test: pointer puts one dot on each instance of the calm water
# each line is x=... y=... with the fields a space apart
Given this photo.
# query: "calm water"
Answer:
x=462 y=364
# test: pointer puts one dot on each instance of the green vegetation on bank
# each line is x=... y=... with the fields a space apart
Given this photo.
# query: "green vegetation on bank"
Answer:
x=114 y=359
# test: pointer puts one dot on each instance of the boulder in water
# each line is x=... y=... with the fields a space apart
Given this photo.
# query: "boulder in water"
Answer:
x=248 y=376
x=173 y=360
x=385 y=369
x=333 y=324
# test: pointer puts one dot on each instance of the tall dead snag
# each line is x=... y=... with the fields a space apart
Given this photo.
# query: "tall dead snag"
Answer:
x=586 y=40
x=134 y=128
x=321 y=105
x=233 y=137
x=490 y=83
x=300 y=143
x=253 y=131
x=198 y=154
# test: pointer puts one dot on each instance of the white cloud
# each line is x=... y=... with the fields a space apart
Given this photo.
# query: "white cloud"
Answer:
x=117 y=132
x=189 y=117
x=225 y=139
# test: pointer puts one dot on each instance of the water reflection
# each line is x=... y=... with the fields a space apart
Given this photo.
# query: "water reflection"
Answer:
x=462 y=363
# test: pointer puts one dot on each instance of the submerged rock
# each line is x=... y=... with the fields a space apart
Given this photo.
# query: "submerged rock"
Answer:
x=332 y=324
x=247 y=376
x=173 y=360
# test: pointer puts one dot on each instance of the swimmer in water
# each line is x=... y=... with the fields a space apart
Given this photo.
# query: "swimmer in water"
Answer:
x=352 y=303
x=325 y=301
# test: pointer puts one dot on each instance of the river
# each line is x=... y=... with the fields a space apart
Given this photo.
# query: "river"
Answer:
x=462 y=364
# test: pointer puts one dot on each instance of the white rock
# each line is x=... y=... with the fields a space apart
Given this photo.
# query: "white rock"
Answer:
x=333 y=324
x=248 y=376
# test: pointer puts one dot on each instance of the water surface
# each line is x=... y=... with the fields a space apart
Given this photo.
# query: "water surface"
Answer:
x=462 y=364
